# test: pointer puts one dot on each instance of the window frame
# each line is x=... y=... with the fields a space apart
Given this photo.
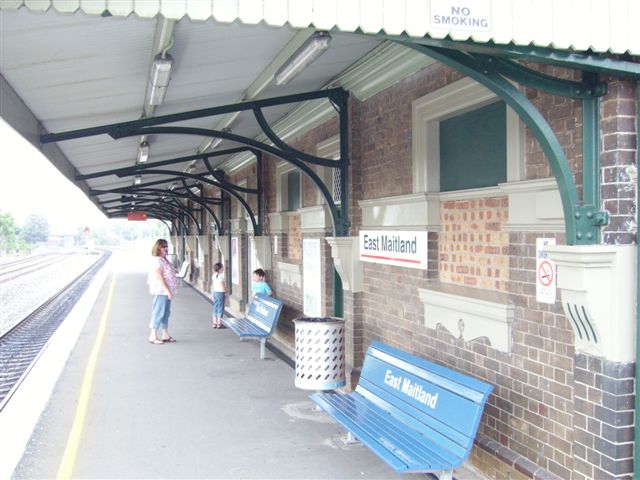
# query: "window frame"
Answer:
x=454 y=99
x=282 y=186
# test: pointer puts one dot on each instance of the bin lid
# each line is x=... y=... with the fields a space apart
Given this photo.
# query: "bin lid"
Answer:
x=319 y=319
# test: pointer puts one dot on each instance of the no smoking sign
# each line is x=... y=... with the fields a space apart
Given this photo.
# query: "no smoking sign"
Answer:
x=545 y=272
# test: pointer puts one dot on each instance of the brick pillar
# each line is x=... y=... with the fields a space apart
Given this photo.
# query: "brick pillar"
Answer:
x=619 y=144
x=603 y=419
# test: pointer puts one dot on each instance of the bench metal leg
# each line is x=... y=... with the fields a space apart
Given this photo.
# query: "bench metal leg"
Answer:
x=350 y=439
x=445 y=475
x=263 y=344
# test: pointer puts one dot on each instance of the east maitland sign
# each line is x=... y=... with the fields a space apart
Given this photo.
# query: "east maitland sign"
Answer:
x=400 y=248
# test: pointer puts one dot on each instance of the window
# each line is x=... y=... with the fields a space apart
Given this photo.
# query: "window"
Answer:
x=293 y=191
x=455 y=133
x=289 y=187
x=473 y=150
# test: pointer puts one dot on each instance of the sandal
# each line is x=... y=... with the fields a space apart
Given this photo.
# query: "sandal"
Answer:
x=169 y=340
x=156 y=341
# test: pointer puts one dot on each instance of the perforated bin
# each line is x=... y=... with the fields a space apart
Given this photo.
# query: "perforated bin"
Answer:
x=319 y=353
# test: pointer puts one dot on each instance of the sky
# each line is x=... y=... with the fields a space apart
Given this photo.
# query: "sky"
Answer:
x=29 y=183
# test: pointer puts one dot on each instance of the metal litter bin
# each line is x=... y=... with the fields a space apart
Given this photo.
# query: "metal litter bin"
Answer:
x=319 y=353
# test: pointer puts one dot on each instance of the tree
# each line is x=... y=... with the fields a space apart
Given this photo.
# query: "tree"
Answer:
x=35 y=229
x=8 y=232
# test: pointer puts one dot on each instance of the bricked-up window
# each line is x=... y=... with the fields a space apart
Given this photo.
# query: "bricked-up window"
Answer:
x=293 y=191
x=473 y=149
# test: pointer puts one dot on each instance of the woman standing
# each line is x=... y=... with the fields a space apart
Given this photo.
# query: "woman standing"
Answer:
x=162 y=285
x=219 y=291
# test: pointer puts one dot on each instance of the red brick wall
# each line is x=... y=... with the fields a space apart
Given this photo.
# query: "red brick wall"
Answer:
x=474 y=251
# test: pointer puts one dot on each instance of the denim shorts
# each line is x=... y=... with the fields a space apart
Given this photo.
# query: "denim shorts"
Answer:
x=218 y=304
x=160 y=311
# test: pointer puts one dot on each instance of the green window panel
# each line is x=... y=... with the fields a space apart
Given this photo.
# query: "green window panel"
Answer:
x=293 y=191
x=473 y=149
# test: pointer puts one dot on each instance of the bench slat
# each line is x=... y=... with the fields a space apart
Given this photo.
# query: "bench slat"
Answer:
x=405 y=439
x=244 y=328
x=433 y=431
x=376 y=429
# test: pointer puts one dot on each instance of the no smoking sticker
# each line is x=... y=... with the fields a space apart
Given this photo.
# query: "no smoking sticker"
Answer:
x=545 y=272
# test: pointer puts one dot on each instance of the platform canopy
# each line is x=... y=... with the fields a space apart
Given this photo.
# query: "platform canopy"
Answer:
x=72 y=64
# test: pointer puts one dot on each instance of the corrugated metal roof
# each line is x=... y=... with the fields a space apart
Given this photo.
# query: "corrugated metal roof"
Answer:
x=579 y=25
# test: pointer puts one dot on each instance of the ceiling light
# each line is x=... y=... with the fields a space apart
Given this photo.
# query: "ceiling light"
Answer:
x=173 y=185
x=310 y=50
x=143 y=152
x=159 y=79
x=137 y=180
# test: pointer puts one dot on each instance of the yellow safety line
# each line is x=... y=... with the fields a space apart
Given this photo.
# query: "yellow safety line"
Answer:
x=71 y=451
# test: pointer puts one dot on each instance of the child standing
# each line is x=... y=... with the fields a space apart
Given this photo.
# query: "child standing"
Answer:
x=259 y=284
x=219 y=291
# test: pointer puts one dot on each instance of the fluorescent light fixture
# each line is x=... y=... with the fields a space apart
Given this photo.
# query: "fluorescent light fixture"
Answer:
x=310 y=50
x=137 y=180
x=143 y=152
x=159 y=79
x=173 y=185
x=215 y=143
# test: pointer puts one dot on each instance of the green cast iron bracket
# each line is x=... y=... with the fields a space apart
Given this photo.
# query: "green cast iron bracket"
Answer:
x=582 y=219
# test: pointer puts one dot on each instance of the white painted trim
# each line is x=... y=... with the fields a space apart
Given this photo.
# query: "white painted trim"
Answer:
x=469 y=313
x=290 y=274
x=314 y=219
x=599 y=282
x=470 y=194
x=279 y=222
x=418 y=211
x=346 y=259
x=534 y=205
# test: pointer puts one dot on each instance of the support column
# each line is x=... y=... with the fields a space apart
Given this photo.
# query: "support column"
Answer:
x=598 y=294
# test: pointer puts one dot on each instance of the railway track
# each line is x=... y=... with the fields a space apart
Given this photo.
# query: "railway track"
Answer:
x=22 y=343
x=18 y=268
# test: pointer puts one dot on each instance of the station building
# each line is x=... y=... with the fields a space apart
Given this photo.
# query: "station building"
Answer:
x=463 y=187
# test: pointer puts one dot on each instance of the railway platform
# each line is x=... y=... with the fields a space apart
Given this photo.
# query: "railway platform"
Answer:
x=203 y=407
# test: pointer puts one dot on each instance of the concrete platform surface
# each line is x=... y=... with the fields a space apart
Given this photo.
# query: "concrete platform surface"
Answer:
x=204 y=407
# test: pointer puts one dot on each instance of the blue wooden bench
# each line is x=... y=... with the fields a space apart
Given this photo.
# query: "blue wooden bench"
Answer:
x=260 y=321
x=417 y=416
